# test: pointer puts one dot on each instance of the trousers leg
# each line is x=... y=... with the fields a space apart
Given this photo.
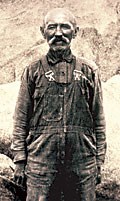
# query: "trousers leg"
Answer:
x=44 y=191
x=87 y=190
x=80 y=168
x=74 y=190
x=34 y=194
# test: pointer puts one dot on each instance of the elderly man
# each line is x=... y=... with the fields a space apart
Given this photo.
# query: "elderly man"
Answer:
x=59 y=126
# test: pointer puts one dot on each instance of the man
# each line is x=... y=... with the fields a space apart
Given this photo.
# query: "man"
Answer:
x=59 y=125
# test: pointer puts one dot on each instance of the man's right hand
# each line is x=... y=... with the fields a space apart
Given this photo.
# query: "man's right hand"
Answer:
x=19 y=174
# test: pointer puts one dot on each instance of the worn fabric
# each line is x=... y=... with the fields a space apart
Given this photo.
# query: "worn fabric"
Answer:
x=59 y=120
x=65 y=184
x=61 y=169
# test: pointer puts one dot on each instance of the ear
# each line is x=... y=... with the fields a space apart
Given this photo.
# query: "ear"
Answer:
x=75 y=31
x=42 y=31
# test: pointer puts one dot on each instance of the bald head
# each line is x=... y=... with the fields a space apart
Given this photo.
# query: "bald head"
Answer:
x=58 y=14
x=59 y=28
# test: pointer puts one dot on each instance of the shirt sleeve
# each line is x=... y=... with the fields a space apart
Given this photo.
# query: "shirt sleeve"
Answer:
x=22 y=114
x=99 y=119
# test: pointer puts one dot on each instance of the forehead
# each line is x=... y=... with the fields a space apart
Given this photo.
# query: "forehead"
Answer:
x=59 y=17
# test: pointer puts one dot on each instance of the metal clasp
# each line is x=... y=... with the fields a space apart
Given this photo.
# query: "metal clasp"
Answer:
x=49 y=75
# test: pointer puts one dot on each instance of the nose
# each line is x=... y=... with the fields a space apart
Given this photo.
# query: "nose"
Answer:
x=58 y=31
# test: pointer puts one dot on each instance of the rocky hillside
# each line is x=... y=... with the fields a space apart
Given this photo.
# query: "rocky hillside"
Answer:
x=99 y=39
x=21 y=41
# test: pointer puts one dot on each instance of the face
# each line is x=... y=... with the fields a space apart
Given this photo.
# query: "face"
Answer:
x=59 y=30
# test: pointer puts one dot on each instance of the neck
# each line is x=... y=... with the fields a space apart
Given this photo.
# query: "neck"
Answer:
x=61 y=54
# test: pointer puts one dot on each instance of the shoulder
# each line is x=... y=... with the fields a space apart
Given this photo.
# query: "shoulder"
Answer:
x=34 y=67
x=86 y=63
x=33 y=71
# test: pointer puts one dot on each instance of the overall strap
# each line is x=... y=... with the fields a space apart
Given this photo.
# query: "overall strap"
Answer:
x=49 y=74
x=81 y=71
x=77 y=73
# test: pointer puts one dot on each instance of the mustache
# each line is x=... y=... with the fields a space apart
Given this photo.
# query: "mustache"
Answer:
x=58 y=39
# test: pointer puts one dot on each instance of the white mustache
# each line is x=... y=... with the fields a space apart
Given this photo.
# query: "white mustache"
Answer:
x=54 y=39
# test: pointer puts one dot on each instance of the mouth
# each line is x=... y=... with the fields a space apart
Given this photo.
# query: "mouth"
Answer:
x=58 y=41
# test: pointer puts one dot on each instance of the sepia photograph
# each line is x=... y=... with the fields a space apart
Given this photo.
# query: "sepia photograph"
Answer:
x=59 y=100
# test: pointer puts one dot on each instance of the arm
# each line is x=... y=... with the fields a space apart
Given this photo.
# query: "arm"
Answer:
x=99 y=122
x=23 y=112
x=22 y=115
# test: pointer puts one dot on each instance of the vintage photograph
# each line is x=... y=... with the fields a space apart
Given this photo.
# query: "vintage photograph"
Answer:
x=60 y=100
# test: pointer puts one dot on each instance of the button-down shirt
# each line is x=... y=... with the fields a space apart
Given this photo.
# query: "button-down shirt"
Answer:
x=60 y=96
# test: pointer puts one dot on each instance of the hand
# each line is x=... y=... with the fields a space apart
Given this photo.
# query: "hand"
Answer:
x=19 y=174
x=98 y=178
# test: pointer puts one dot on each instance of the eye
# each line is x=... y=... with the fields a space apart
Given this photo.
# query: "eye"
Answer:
x=66 y=26
x=51 y=27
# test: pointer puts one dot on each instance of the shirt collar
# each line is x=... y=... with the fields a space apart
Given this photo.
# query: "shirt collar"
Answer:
x=53 y=57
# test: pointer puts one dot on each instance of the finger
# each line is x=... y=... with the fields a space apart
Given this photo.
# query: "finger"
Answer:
x=15 y=178
x=98 y=180
x=23 y=181
x=19 y=181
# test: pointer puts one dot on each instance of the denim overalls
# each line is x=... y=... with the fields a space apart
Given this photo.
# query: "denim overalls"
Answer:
x=61 y=144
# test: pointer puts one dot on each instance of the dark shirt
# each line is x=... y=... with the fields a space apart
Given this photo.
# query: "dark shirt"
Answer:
x=59 y=95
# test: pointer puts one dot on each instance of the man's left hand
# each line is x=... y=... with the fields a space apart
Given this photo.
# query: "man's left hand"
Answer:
x=98 y=178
